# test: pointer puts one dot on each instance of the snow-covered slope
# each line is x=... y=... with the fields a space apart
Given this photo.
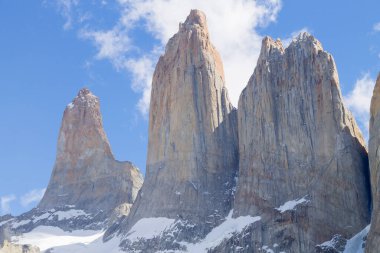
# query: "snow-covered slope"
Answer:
x=46 y=237
x=56 y=240
x=356 y=243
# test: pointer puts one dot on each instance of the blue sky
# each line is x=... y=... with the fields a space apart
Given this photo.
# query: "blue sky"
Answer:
x=51 y=49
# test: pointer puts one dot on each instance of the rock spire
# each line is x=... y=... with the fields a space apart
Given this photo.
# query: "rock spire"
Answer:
x=298 y=141
x=85 y=170
x=192 y=150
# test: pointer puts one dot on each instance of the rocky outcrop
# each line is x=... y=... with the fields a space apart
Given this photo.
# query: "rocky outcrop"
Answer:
x=192 y=150
x=373 y=241
x=85 y=174
x=298 y=143
x=7 y=247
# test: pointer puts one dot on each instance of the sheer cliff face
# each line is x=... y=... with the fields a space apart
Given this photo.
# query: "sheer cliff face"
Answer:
x=297 y=139
x=373 y=240
x=192 y=151
x=85 y=170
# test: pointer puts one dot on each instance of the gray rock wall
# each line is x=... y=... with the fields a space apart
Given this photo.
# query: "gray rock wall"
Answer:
x=373 y=241
x=297 y=139
x=192 y=150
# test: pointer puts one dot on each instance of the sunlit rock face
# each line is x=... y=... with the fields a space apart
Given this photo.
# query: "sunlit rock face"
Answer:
x=85 y=171
x=192 y=150
x=297 y=139
x=373 y=241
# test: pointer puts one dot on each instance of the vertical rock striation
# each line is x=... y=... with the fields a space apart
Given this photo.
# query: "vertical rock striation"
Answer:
x=297 y=139
x=373 y=241
x=192 y=150
x=85 y=173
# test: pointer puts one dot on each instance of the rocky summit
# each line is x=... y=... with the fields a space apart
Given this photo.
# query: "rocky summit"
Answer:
x=373 y=242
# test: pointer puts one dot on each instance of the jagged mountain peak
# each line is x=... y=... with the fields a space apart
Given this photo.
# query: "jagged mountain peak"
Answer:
x=193 y=40
x=272 y=49
x=269 y=48
x=196 y=18
x=307 y=42
x=85 y=98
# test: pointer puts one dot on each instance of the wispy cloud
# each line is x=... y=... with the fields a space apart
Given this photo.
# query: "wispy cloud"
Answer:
x=5 y=201
x=359 y=101
x=232 y=24
x=65 y=8
x=32 y=196
x=376 y=27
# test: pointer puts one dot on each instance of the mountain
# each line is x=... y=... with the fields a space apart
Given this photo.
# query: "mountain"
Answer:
x=287 y=171
x=373 y=241
x=85 y=169
x=192 y=151
x=88 y=189
x=303 y=179
x=303 y=162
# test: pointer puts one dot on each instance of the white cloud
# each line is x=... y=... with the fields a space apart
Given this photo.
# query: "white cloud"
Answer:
x=65 y=7
x=5 y=203
x=32 y=196
x=142 y=70
x=376 y=27
x=111 y=45
x=233 y=30
x=359 y=101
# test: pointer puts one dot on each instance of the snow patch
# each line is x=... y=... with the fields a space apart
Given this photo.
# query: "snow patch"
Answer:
x=224 y=231
x=41 y=217
x=266 y=249
x=20 y=223
x=355 y=244
x=70 y=106
x=5 y=222
x=148 y=228
x=98 y=246
x=69 y=214
x=328 y=244
x=46 y=237
x=291 y=205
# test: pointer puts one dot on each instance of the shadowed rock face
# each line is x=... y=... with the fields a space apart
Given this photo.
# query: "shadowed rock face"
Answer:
x=7 y=247
x=373 y=241
x=85 y=173
x=192 y=151
x=297 y=139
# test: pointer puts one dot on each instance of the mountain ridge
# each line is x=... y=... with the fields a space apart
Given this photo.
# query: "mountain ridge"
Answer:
x=287 y=171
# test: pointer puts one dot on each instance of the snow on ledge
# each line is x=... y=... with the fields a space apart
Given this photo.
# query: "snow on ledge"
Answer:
x=223 y=231
x=354 y=245
x=148 y=228
x=291 y=205
x=69 y=214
